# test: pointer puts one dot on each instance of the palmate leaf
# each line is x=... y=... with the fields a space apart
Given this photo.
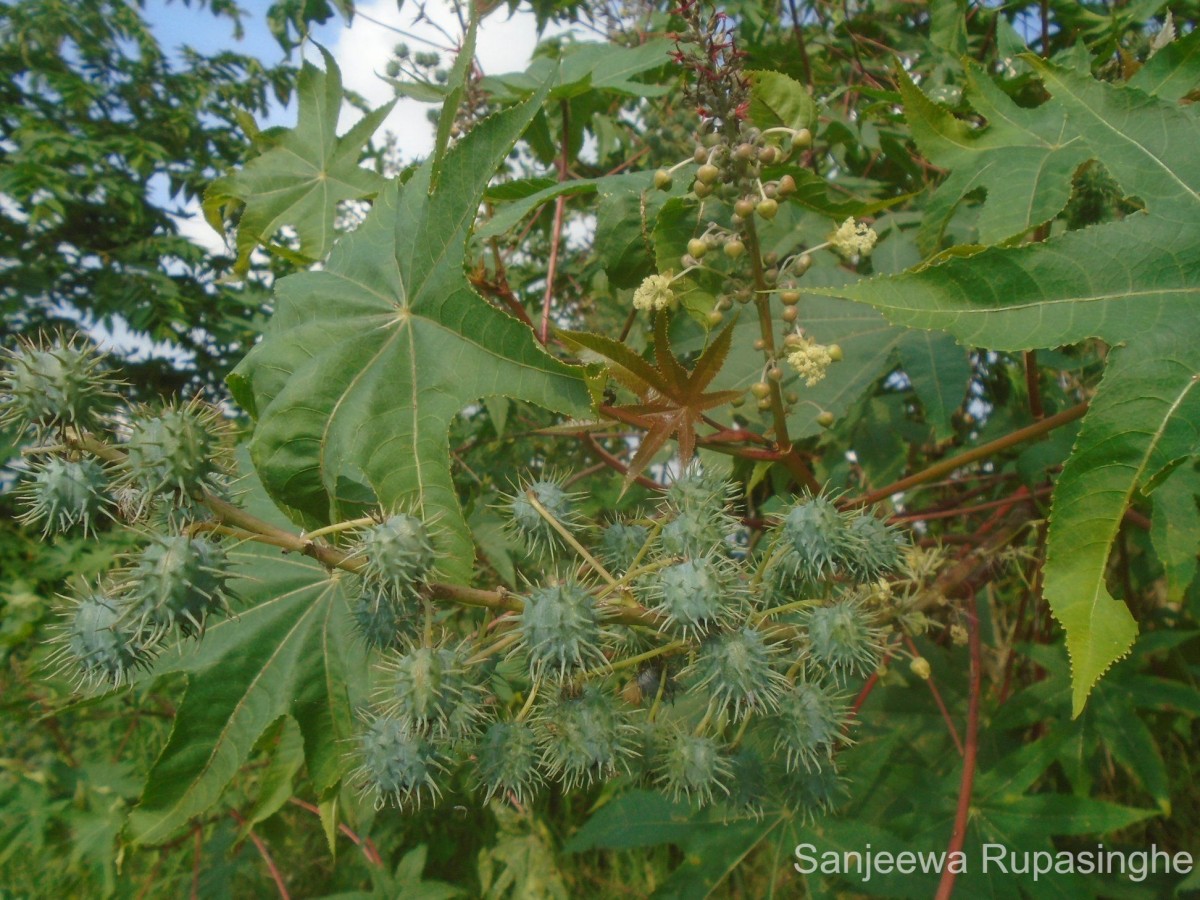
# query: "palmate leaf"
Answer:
x=365 y=363
x=1022 y=158
x=673 y=400
x=302 y=178
x=291 y=654
x=1134 y=284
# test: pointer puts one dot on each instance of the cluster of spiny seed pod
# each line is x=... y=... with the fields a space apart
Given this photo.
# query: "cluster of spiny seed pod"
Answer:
x=658 y=649
x=59 y=393
x=663 y=649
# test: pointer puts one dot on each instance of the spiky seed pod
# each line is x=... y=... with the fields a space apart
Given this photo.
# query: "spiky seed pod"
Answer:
x=694 y=533
x=699 y=492
x=429 y=690
x=530 y=524
x=398 y=554
x=507 y=761
x=696 y=595
x=693 y=768
x=98 y=644
x=880 y=547
x=63 y=494
x=396 y=765
x=811 y=792
x=748 y=791
x=843 y=638
x=620 y=544
x=132 y=503
x=175 y=582
x=382 y=620
x=560 y=630
x=181 y=448
x=585 y=738
x=54 y=382
x=808 y=725
x=735 y=669
x=815 y=541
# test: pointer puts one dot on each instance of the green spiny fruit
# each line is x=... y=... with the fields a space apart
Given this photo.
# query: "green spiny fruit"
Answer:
x=811 y=792
x=398 y=554
x=429 y=691
x=98 y=644
x=560 y=630
x=879 y=547
x=843 y=638
x=54 y=382
x=585 y=738
x=620 y=544
x=507 y=762
x=397 y=765
x=382 y=620
x=181 y=448
x=695 y=595
x=176 y=582
x=808 y=724
x=693 y=768
x=530 y=524
x=748 y=790
x=63 y=494
x=815 y=541
x=694 y=491
x=694 y=533
x=735 y=669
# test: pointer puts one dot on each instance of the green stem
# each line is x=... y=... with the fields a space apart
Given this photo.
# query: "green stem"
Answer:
x=533 y=692
x=760 y=617
x=495 y=647
x=569 y=538
x=641 y=657
x=762 y=302
x=341 y=526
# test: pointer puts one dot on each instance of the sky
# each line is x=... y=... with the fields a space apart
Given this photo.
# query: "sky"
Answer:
x=362 y=50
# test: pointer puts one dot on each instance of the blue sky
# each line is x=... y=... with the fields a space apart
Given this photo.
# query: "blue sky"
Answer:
x=362 y=51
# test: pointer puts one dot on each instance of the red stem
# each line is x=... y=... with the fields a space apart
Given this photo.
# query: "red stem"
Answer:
x=560 y=204
x=967 y=510
x=266 y=855
x=959 y=835
x=613 y=463
x=196 y=862
x=365 y=844
x=937 y=698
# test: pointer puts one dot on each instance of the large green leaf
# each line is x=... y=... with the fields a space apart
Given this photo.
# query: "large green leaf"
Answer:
x=366 y=362
x=1174 y=527
x=1134 y=283
x=306 y=173
x=1022 y=158
x=293 y=654
x=588 y=66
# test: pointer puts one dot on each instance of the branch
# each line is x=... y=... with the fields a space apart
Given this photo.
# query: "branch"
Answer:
x=947 y=466
x=265 y=854
x=560 y=204
x=961 y=817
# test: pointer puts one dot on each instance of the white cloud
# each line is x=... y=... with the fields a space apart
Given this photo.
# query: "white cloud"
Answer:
x=363 y=50
x=193 y=226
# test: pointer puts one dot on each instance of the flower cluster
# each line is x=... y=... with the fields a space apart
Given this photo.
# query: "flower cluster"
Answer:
x=810 y=360
x=654 y=294
x=853 y=239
